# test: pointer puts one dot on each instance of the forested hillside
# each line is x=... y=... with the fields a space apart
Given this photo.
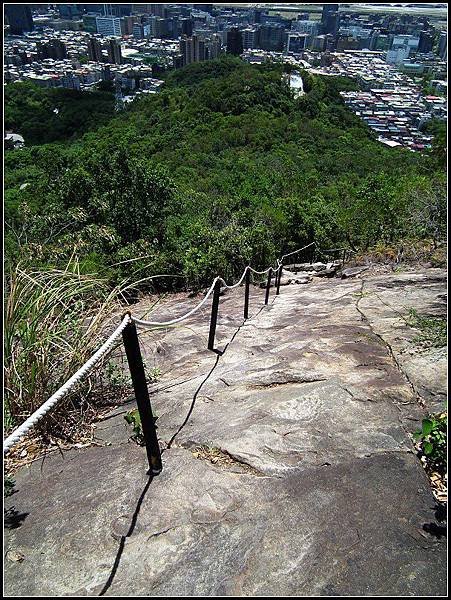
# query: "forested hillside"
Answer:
x=56 y=114
x=222 y=168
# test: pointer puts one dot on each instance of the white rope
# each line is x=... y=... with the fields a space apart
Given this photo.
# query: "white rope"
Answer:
x=295 y=251
x=262 y=272
x=231 y=287
x=20 y=432
x=178 y=319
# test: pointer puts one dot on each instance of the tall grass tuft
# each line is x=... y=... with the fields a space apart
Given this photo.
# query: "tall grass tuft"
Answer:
x=54 y=321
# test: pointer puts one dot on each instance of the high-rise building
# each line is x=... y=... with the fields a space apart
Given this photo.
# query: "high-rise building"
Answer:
x=19 y=18
x=95 y=50
x=256 y=15
x=330 y=19
x=89 y=23
x=426 y=42
x=379 y=41
x=158 y=10
x=127 y=23
x=192 y=49
x=297 y=42
x=186 y=27
x=108 y=25
x=213 y=46
x=114 y=52
x=141 y=31
x=234 y=41
x=158 y=27
x=319 y=43
x=250 y=38
x=302 y=26
x=442 y=45
x=271 y=37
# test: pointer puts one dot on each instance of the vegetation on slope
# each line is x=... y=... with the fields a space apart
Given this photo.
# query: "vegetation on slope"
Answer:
x=221 y=169
x=48 y=115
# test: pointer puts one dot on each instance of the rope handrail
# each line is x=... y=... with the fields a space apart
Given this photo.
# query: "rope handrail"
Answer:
x=127 y=320
x=20 y=432
x=145 y=323
x=296 y=251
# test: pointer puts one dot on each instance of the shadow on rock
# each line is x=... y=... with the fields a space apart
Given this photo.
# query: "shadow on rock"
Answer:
x=13 y=518
x=120 y=550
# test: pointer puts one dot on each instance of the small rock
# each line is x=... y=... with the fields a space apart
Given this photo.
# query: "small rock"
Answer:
x=325 y=273
x=15 y=556
x=352 y=272
x=23 y=454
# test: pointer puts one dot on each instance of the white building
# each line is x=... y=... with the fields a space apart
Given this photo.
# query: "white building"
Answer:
x=108 y=26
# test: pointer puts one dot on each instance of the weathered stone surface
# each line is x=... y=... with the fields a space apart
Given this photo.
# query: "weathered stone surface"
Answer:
x=328 y=272
x=320 y=491
x=352 y=271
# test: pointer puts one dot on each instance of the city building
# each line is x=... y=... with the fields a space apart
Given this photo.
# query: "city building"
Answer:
x=114 y=52
x=297 y=42
x=426 y=42
x=271 y=37
x=250 y=38
x=310 y=27
x=90 y=23
x=19 y=18
x=234 y=41
x=192 y=49
x=330 y=19
x=108 y=25
x=442 y=45
x=95 y=50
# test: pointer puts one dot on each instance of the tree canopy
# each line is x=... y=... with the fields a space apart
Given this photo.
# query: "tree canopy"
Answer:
x=223 y=168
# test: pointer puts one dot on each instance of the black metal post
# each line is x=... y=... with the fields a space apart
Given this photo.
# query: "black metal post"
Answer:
x=135 y=363
x=268 y=285
x=312 y=255
x=247 y=280
x=279 y=278
x=344 y=256
x=214 y=315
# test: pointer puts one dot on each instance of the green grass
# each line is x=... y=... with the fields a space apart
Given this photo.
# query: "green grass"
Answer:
x=433 y=330
x=54 y=321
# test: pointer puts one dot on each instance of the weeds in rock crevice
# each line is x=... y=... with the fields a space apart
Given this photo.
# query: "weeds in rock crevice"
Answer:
x=433 y=330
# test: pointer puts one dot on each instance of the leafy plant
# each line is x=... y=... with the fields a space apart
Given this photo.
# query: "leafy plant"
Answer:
x=433 y=440
x=134 y=418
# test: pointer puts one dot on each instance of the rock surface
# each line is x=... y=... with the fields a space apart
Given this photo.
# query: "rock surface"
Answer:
x=288 y=468
x=353 y=272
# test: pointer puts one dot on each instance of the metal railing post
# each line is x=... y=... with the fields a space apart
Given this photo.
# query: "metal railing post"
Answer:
x=279 y=278
x=268 y=285
x=214 y=315
x=344 y=256
x=247 y=281
x=135 y=363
